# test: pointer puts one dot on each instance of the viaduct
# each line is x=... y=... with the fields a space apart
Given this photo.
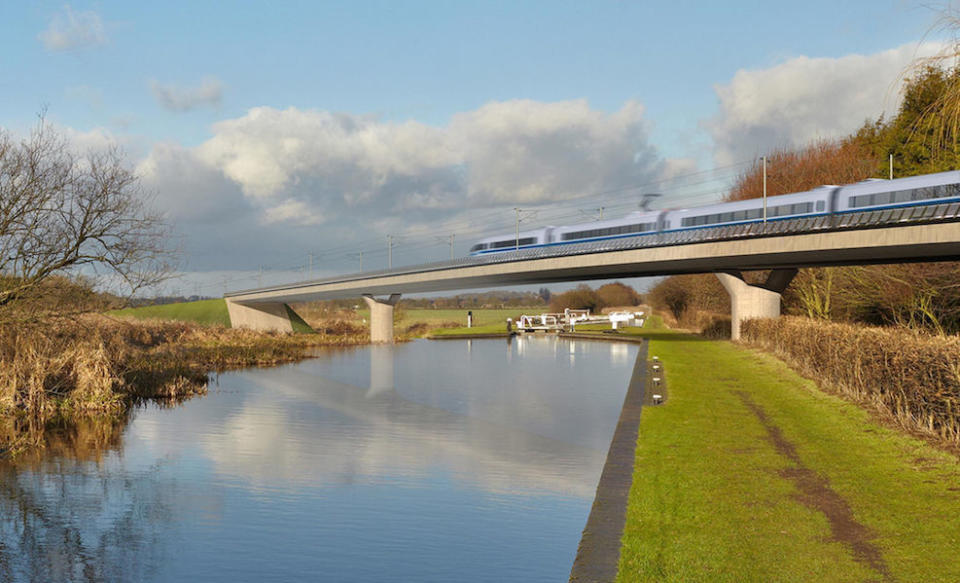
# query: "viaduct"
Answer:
x=779 y=246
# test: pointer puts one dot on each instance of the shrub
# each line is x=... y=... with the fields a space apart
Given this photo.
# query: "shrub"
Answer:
x=580 y=298
x=914 y=377
x=618 y=294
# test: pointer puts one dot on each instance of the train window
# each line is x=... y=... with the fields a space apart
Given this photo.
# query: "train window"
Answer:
x=897 y=196
x=821 y=206
x=512 y=243
x=618 y=230
x=478 y=247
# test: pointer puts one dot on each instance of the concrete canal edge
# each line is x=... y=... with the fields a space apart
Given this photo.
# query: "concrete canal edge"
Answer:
x=599 y=552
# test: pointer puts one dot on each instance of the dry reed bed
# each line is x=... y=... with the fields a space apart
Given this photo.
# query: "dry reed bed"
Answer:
x=916 y=378
x=98 y=363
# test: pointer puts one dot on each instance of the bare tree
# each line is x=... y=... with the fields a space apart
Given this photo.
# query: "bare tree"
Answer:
x=60 y=211
x=938 y=120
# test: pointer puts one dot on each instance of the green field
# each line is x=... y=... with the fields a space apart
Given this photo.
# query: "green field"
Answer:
x=500 y=328
x=750 y=473
x=215 y=312
x=481 y=316
x=202 y=312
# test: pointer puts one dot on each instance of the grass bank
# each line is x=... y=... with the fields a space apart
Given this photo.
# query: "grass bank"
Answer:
x=750 y=473
x=208 y=312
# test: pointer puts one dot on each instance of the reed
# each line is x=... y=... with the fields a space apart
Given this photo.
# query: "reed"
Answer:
x=911 y=377
x=95 y=362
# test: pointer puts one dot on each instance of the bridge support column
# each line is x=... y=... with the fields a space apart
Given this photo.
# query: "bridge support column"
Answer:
x=260 y=316
x=381 y=317
x=754 y=301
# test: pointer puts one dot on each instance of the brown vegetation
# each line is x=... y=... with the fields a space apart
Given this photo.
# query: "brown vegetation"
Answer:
x=583 y=297
x=99 y=363
x=693 y=302
x=913 y=378
x=823 y=162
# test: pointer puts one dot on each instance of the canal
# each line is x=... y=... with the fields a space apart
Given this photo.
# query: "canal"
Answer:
x=456 y=460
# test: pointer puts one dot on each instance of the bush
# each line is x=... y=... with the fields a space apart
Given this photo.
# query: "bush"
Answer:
x=914 y=377
x=618 y=294
x=580 y=298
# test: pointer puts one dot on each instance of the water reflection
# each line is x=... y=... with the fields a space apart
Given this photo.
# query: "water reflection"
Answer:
x=64 y=516
x=429 y=461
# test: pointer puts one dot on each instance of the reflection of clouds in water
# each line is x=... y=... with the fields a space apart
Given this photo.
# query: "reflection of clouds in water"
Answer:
x=539 y=425
x=326 y=433
x=67 y=517
x=619 y=354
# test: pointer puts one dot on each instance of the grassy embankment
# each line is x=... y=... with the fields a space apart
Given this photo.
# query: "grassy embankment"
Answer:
x=751 y=473
x=208 y=312
x=211 y=312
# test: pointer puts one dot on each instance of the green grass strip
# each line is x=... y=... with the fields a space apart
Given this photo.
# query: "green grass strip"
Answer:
x=486 y=329
x=202 y=312
x=298 y=324
x=716 y=498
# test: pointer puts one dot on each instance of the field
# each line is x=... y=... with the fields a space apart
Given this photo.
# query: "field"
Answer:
x=202 y=312
x=481 y=316
x=750 y=473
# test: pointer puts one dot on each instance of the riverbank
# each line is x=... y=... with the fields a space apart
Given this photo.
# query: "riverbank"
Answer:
x=751 y=473
x=98 y=363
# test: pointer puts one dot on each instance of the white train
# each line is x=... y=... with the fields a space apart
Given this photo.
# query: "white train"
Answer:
x=869 y=195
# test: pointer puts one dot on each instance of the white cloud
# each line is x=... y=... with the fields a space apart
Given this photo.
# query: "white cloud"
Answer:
x=189 y=191
x=73 y=30
x=271 y=185
x=294 y=212
x=503 y=153
x=804 y=99
x=526 y=151
x=178 y=98
x=94 y=140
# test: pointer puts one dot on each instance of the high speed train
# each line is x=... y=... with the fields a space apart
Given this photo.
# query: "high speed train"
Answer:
x=869 y=195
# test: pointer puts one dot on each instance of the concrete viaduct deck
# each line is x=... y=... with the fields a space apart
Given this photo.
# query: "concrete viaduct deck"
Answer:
x=784 y=253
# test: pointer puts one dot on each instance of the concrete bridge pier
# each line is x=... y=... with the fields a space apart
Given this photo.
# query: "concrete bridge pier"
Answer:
x=272 y=316
x=381 y=317
x=754 y=301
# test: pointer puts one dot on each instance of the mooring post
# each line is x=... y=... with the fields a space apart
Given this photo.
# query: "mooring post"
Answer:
x=381 y=317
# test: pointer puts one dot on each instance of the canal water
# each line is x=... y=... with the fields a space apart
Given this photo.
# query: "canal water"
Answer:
x=458 y=460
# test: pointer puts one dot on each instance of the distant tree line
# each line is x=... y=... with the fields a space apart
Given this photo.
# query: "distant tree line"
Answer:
x=584 y=297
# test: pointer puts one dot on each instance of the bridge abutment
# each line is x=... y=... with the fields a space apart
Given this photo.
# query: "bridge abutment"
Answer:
x=754 y=301
x=381 y=317
x=273 y=317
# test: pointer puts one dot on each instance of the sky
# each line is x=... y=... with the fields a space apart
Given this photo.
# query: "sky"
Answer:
x=284 y=139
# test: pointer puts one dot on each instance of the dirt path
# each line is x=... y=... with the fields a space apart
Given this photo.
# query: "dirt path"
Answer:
x=815 y=492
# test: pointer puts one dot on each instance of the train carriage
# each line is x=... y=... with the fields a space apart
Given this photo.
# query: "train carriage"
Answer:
x=863 y=197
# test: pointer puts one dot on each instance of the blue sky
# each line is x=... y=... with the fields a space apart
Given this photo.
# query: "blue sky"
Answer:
x=415 y=117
